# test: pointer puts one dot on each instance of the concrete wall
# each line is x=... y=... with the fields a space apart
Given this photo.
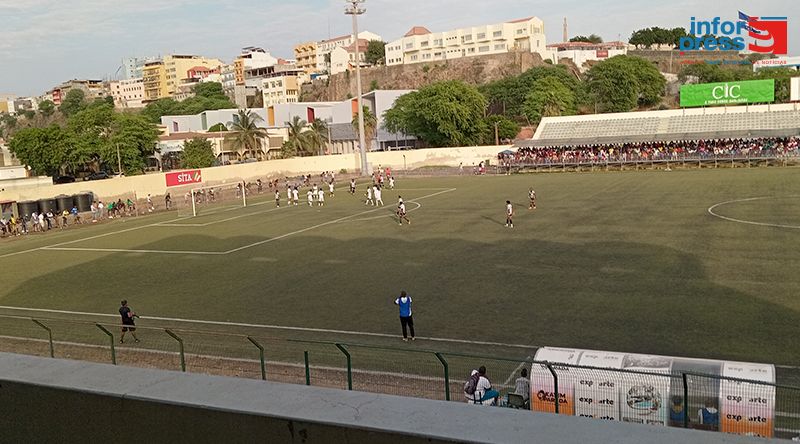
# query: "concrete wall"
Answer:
x=53 y=400
x=155 y=184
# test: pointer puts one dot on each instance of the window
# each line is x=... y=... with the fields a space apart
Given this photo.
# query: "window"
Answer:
x=499 y=47
x=497 y=34
x=484 y=48
x=467 y=38
x=414 y=57
x=471 y=50
x=437 y=42
x=481 y=35
x=409 y=45
x=423 y=44
x=520 y=31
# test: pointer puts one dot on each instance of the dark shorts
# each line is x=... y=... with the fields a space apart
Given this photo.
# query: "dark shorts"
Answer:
x=128 y=327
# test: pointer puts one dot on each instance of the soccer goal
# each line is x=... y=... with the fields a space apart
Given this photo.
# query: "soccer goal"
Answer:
x=217 y=198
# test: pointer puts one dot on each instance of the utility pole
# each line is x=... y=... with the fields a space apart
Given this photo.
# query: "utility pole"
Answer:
x=354 y=9
x=496 y=134
x=119 y=161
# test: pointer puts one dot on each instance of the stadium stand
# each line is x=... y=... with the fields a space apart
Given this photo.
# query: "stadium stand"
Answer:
x=669 y=125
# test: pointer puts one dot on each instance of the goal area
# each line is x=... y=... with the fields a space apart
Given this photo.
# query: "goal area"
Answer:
x=216 y=198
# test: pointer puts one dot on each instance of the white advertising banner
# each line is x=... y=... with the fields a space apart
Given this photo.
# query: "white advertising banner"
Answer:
x=794 y=83
x=597 y=391
x=747 y=408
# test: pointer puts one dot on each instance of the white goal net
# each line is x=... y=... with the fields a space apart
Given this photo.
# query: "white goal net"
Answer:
x=213 y=199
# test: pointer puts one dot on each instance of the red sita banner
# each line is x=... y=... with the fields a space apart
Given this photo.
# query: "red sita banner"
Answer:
x=179 y=178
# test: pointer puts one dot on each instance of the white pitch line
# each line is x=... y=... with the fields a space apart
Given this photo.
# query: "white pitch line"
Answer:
x=271 y=327
x=419 y=205
x=762 y=224
x=86 y=238
x=516 y=370
x=124 y=250
x=227 y=219
x=266 y=241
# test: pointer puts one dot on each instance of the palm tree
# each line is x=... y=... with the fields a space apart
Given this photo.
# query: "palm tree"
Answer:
x=298 y=139
x=370 y=126
x=318 y=135
x=246 y=135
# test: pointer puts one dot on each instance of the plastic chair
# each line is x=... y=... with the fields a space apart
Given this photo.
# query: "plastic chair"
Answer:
x=516 y=401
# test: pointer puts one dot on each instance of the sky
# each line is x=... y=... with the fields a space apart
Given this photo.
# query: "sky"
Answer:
x=45 y=42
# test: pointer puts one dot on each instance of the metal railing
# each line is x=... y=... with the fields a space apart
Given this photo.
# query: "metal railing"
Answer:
x=647 y=396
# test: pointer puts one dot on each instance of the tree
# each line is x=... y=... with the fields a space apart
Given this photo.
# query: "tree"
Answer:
x=42 y=149
x=211 y=90
x=370 y=126
x=593 y=38
x=297 y=142
x=622 y=82
x=448 y=113
x=507 y=129
x=73 y=103
x=507 y=96
x=376 y=52
x=47 y=107
x=29 y=114
x=246 y=135
x=218 y=128
x=208 y=96
x=8 y=124
x=317 y=135
x=549 y=97
x=197 y=153
x=134 y=137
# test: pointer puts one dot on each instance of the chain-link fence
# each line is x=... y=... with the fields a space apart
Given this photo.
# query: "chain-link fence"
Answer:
x=645 y=396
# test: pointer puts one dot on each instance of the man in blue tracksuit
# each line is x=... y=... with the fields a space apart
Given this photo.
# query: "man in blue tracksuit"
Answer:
x=406 y=319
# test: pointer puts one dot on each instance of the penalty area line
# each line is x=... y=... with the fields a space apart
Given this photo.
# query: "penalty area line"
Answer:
x=269 y=327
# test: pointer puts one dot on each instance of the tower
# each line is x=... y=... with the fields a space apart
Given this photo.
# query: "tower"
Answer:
x=566 y=36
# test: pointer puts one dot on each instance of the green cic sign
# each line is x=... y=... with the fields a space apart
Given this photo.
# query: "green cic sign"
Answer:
x=728 y=93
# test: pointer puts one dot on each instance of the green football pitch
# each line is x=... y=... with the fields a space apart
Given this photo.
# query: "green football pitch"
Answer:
x=623 y=261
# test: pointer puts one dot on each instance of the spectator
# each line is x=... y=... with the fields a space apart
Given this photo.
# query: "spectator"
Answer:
x=708 y=415
x=677 y=414
x=522 y=386
x=483 y=394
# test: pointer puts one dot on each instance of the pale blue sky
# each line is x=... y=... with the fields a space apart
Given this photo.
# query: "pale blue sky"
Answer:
x=43 y=42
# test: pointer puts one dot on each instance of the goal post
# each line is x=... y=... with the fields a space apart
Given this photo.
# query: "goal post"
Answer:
x=216 y=198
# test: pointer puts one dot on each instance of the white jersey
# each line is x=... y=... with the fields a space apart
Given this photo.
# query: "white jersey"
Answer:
x=378 y=194
x=330 y=187
x=310 y=195
x=295 y=194
x=402 y=208
x=321 y=195
x=289 y=193
x=369 y=193
x=509 y=209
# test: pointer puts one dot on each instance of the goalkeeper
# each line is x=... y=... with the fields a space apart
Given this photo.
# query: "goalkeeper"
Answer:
x=128 y=324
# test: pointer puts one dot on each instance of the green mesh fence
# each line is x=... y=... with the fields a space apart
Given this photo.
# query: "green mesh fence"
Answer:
x=646 y=394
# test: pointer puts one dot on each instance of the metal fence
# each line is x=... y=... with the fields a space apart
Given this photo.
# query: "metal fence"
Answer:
x=647 y=397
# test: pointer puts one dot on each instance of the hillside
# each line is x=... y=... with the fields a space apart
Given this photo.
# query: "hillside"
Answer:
x=474 y=70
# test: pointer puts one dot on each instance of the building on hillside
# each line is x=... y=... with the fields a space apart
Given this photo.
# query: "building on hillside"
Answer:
x=343 y=58
x=281 y=87
x=162 y=78
x=251 y=57
x=7 y=158
x=92 y=89
x=419 y=45
x=228 y=74
x=132 y=67
x=325 y=47
x=7 y=103
x=340 y=115
x=306 y=56
x=127 y=93
x=582 y=52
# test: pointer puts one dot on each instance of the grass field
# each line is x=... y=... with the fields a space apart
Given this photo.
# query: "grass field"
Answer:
x=624 y=261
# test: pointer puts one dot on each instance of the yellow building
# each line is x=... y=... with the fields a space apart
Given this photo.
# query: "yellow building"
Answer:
x=306 y=56
x=162 y=78
x=155 y=81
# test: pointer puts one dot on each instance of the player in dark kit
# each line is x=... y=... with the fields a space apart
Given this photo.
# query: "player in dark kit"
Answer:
x=532 y=197
x=127 y=321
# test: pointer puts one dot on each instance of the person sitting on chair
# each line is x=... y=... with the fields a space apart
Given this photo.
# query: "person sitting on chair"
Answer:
x=522 y=386
x=484 y=394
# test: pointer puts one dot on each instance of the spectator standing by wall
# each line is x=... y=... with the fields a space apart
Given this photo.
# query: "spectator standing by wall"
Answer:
x=406 y=315
x=128 y=323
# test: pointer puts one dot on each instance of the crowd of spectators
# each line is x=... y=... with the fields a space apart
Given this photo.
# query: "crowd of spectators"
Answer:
x=646 y=151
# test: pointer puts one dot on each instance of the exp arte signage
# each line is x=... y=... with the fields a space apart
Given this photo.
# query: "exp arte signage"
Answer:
x=179 y=178
x=728 y=93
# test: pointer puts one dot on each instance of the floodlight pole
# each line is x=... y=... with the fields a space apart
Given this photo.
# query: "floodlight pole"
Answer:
x=355 y=10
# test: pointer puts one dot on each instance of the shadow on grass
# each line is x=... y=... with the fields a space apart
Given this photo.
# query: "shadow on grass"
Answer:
x=613 y=296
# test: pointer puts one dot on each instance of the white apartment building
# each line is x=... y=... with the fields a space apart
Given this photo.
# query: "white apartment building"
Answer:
x=343 y=58
x=133 y=66
x=281 y=87
x=127 y=93
x=419 y=45
x=325 y=47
